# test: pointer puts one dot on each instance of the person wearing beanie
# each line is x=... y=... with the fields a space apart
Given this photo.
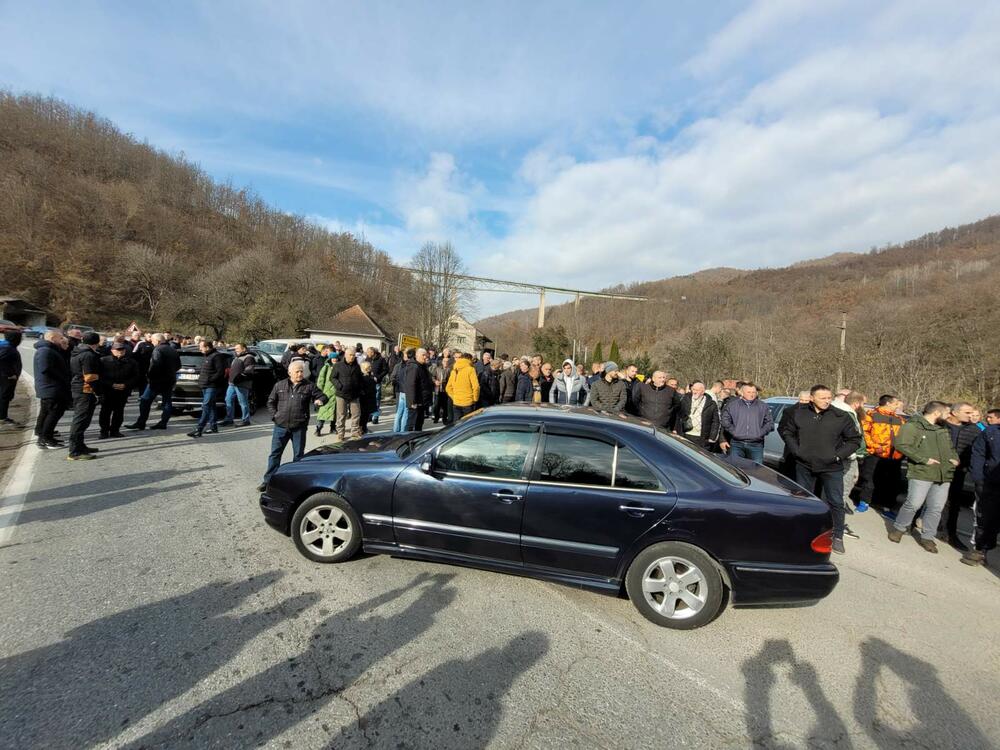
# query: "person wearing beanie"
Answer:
x=608 y=393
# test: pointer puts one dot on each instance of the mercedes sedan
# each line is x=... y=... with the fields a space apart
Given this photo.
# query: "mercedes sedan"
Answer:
x=567 y=495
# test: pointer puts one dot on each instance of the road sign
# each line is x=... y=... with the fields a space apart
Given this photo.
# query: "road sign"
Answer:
x=409 y=342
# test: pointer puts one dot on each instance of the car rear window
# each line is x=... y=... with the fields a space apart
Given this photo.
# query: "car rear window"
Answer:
x=708 y=461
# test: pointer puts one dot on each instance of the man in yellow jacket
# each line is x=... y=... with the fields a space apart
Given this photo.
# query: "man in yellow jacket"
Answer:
x=463 y=386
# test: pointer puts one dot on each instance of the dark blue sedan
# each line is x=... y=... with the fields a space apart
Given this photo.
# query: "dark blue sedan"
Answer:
x=567 y=495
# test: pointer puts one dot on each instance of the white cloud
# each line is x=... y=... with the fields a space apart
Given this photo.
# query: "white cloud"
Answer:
x=879 y=139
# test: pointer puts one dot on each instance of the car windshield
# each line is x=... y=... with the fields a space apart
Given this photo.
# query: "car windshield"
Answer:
x=724 y=471
x=272 y=347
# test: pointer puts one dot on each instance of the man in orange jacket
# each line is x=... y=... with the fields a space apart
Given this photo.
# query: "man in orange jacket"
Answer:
x=880 y=471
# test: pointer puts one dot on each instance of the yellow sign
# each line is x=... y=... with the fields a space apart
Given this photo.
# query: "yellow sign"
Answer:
x=409 y=342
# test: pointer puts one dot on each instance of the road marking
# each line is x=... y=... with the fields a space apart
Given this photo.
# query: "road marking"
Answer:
x=15 y=493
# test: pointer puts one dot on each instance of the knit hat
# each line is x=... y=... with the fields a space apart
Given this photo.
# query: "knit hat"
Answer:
x=610 y=366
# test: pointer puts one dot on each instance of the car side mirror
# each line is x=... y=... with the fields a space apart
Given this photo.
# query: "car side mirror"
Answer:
x=427 y=464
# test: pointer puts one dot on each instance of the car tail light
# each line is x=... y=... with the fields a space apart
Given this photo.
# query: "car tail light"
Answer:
x=823 y=543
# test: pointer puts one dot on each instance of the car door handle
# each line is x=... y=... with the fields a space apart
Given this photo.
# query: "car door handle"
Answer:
x=636 y=508
x=506 y=497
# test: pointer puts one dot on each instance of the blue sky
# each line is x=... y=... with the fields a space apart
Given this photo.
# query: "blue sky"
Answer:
x=580 y=144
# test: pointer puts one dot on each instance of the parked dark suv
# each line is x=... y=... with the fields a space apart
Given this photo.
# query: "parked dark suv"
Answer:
x=187 y=394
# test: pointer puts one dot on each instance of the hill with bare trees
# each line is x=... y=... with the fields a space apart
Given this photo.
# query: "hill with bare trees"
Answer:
x=922 y=319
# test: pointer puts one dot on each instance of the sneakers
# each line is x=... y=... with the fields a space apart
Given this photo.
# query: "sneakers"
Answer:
x=862 y=507
x=838 y=546
x=895 y=535
x=45 y=445
x=194 y=434
x=212 y=430
x=247 y=423
x=974 y=557
x=928 y=544
x=80 y=457
x=852 y=534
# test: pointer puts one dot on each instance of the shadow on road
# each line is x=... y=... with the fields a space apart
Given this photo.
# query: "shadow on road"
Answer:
x=114 y=482
x=932 y=719
x=457 y=705
x=112 y=672
x=341 y=649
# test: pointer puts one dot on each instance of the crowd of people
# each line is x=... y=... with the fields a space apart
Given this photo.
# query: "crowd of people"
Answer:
x=848 y=454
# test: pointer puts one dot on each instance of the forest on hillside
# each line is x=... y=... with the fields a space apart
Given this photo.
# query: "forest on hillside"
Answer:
x=922 y=320
x=103 y=229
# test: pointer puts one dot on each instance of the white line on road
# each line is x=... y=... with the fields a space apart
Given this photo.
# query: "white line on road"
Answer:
x=16 y=491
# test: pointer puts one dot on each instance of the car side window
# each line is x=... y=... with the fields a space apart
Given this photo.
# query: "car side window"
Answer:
x=776 y=410
x=632 y=474
x=569 y=459
x=498 y=453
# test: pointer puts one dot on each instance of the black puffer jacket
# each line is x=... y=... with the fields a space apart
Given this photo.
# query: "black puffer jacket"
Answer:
x=52 y=376
x=609 y=397
x=820 y=441
x=85 y=366
x=417 y=385
x=962 y=438
x=347 y=379
x=164 y=363
x=658 y=405
x=213 y=370
x=118 y=370
x=289 y=404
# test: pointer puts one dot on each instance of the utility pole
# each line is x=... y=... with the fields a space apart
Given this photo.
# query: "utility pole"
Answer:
x=843 y=349
x=541 y=308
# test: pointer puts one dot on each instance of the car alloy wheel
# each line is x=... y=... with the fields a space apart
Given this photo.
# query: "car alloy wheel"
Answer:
x=676 y=585
x=326 y=529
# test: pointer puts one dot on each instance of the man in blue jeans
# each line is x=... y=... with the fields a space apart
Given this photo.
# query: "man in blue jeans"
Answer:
x=745 y=422
x=164 y=363
x=240 y=381
x=211 y=380
x=289 y=404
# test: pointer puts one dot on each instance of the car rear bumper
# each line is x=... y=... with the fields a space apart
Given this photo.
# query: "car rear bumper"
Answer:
x=767 y=583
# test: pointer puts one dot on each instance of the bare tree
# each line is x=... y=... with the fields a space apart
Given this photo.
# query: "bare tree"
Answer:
x=441 y=292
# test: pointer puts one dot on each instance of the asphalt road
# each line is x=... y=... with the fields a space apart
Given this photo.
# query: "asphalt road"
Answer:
x=146 y=604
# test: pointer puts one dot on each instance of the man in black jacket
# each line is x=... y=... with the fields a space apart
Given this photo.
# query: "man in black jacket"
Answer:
x=118 y=374
x=10 y=371
x=164 y=363
x=212 y=378
x=85 y=367
x=142 y=351
x=963 y=432
x=347 y=379
x=289 y=405
x=822 y=439
x=380 y=370
x=418 y=386
x=655 y=400
x=52 y=387
x=241 y=371
x=698 y=417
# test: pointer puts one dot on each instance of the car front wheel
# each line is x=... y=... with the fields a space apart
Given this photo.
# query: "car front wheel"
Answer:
x=675 y=585
x=326 y=529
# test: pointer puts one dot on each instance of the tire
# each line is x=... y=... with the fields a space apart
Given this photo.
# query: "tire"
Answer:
x=326 y=529
x=691 y=592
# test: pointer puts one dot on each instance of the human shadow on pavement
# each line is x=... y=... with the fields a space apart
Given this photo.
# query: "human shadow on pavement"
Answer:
x=103 y=676
x=86 y=506
x=342 y=648
x=456 y=705
x=938 y=720
x=116 y=481
x=761 y=675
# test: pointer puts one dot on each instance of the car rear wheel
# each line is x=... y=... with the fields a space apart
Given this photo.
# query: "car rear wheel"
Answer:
x=326 y=529
x=675 y=585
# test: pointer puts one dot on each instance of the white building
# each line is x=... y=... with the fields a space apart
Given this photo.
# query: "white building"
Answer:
x=351 y=327
x=466 y=337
